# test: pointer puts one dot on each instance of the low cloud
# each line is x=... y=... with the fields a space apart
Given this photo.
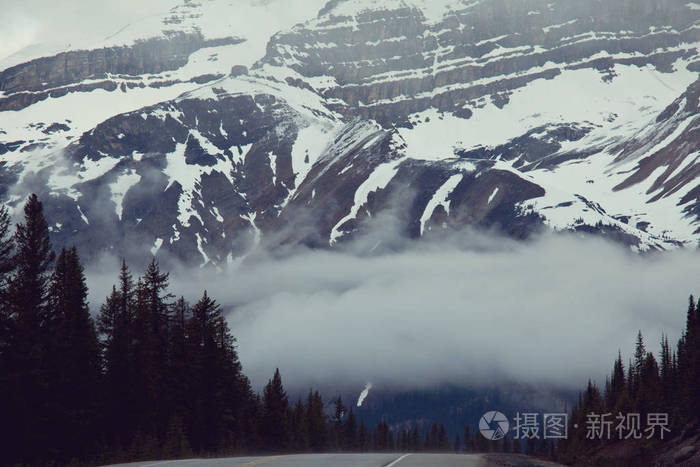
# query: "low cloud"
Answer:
x=32 y=22
x=475 y=310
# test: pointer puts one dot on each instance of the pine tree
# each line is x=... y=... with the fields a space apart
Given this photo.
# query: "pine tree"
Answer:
x=414 y=442
x=116 y=324
x=363 y=437
x=689 y=361
x=617 y=385
x=592 y=401
x=443 y=443
x=431 y=438
x=299 y=433
x=27 y=295
x=29 y=287
x=6 y=319
x=7 y=264
x=73 y=368
x=317 y=422
x=215 y=383
x=176 y=375
x=382 y=437
x=238 y=402
x=176 y=445
x=468 y=440
x=152 y=316
x=649 y=399
x=667 y=375
x=338 y=414
x=693 y=355
x=402 y=443
x=274 y=422
x=636 y=366
x=667 y=386
x=350 y=432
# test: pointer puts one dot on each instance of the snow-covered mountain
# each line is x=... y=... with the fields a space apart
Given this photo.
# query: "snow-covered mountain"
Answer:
x=219 y=124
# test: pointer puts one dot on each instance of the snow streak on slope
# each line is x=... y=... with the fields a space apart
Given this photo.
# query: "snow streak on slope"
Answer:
x=78 y=112
x=189 y=178
x=309 y=104
x=308 y=148
x=433 y=10
x=364 y=394
x=440 y=199
x=119 y=189
x=345 y=100
x=614 y=108
x=254 y=20
x=578 y=192
x=65 y=175
x=379 y=179
x=594 y=179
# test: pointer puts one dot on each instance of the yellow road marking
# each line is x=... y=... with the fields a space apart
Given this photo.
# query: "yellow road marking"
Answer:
x=264 y=460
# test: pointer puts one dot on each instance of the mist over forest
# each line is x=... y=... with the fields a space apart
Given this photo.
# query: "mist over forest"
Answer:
x=469 y=309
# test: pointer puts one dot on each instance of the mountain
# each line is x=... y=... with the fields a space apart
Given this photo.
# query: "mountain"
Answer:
x=222 y=124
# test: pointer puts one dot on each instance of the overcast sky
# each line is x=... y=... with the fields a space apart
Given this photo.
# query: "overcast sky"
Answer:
x=27 y=22
x=57 y=24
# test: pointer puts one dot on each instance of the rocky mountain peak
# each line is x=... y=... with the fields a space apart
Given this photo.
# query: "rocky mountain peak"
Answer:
x=507 y=114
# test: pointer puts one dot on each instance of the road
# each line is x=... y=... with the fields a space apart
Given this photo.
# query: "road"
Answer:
x=328 y=460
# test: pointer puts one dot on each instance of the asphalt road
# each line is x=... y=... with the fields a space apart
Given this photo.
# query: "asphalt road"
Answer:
x=328 y=460
x=440 y=460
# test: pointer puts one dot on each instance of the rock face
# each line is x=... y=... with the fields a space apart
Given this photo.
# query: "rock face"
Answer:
x=417 y=116
x=56 y=76
x=148 y=57
x=390 y=63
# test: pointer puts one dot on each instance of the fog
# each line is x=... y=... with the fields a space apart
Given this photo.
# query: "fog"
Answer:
x=44 y=27
x=472 y=310
x=31 y=22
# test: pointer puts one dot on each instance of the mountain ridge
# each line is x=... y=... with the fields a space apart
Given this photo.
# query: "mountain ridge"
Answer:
x=518 y=116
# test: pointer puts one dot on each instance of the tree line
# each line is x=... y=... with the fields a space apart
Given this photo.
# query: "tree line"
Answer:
x=153 y=376
x=666 y=384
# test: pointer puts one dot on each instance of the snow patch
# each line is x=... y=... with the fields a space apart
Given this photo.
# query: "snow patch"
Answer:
x=273 y=166
x=217 y=214
x=378 y=179
x=436 y=135
x=156 y=246
x=493 y=195
x=200 y=247
x=82 y=215
x=120 y=187
x=239 y=153
x=364 y=394
x=189 y=176
x=308 y=148
x=440 y=198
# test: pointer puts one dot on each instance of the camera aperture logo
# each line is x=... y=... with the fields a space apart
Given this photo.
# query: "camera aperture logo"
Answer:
x=494 y=425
